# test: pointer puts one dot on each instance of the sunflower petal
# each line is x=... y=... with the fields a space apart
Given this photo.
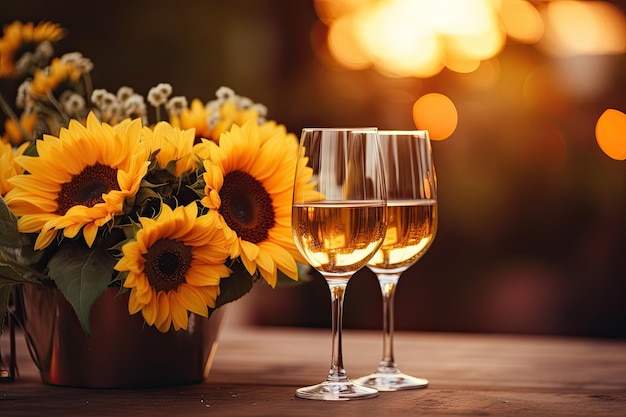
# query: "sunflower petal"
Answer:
x=204 y=241
x=79 y=156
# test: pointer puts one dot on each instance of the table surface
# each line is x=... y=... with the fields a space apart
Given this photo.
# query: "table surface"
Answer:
x=257 y=370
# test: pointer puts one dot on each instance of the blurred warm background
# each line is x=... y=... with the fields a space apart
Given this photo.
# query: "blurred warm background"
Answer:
x=523 y=98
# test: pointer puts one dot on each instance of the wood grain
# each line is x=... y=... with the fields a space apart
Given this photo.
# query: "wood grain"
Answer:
x=257 y=370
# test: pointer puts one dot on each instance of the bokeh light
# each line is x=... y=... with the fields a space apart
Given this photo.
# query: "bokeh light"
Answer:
x=406 y=48
x=521 y=20
x=576 y=27
x=419 y=38
x=344 y=47
x=611 y=133
x=436 y=113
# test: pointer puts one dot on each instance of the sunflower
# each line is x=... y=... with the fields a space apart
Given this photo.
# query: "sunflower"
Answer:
x=19 y=40
x=79 y=180
x=174 y=145
x=175 y=265
x=15 y=132
x=51 y=78
x=8 y=167
x=230 y=114
x=195 y=116
x=249 y=180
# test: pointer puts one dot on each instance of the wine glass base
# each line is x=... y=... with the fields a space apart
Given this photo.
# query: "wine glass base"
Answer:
x=336 y=391
x=391 y=381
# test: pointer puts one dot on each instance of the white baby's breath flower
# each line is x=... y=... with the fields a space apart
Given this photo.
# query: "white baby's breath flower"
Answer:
x=112 y=112
x=73 y=103
x=165 y=89
x=213 y=119
x=262 y=110
x=108 y=104
x=79 y=61
x=31 y=107
x=97 y=96
x=158 y=95
x=244 y=103
x=213 y=106
x=23 y=99
x=124 y=93
x=44 y=52
x=30 y=60
x=134 y=106
x=225 y=93
x=109 y=99
x=176 y=105
x=23 y=64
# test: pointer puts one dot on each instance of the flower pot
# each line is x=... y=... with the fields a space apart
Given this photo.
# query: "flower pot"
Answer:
x=122 y=350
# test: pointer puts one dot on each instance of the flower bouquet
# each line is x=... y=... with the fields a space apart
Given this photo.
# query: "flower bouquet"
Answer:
x=180 y=215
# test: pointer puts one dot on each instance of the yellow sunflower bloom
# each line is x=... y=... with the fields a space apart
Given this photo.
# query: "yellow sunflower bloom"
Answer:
x=21 y=38
x=49 y=79
x=175 y=265
x=8 y=167
x=14 y=133
x=194 y=117
x=229 y=115
x=249 y=181
x=173 y=144
x=78 y=181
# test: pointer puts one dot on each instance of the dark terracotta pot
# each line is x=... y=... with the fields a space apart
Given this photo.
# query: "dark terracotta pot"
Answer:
x=122 y=351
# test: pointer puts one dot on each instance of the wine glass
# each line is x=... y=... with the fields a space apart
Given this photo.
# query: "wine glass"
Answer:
x=338 y=224
x=411 y=228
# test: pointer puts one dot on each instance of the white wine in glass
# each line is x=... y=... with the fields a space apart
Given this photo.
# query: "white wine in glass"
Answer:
x=411 y=228
x=338 y=223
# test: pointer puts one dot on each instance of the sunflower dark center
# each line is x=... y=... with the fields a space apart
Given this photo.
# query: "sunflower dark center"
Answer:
x=87 y=187
x=247 y=206
x=167 y=262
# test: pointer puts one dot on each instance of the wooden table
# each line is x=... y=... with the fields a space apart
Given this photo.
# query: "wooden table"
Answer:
x=257 y=370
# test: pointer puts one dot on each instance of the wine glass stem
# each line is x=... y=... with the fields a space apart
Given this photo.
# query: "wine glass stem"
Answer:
x=388 y=288
x=337 y=287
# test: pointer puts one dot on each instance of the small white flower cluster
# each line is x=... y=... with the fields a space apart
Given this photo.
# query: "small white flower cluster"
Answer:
x=71 y=102
x=55 y=111
x=158 y=95
x=176 y=105
x=225 y=95
x=35 y=59
x=116 y=107
x=23 y=100
x=126 y=103
x=78 y=61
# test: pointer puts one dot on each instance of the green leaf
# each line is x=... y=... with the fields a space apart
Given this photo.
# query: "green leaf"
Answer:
x=235 y=286
x=9 y=234
x=12 y=272
x=9 y=272
x=81 y=274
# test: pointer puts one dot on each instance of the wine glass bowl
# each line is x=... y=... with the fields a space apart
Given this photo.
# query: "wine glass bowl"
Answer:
x=338 y=223
x=411 y=228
